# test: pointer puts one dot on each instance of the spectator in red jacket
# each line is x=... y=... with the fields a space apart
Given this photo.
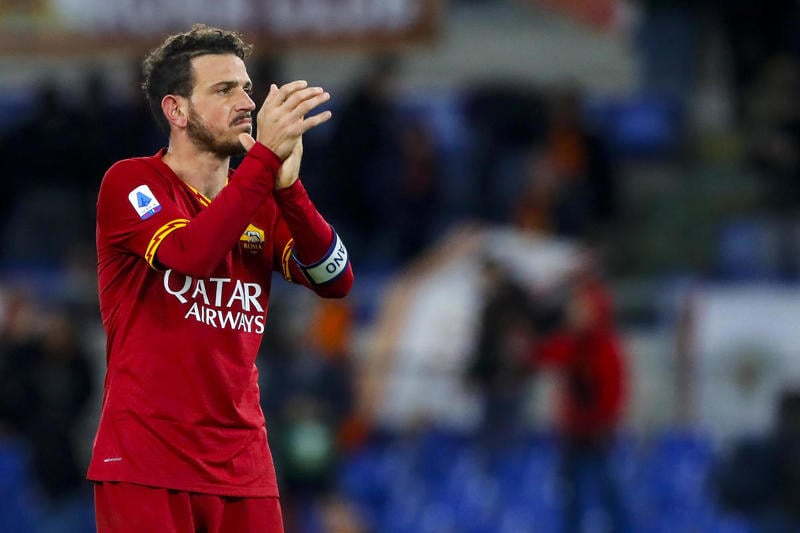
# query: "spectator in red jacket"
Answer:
x=587 y=353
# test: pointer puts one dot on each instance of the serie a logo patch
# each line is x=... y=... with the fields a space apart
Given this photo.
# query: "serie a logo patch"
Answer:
x=252 y=239
x=144 y=202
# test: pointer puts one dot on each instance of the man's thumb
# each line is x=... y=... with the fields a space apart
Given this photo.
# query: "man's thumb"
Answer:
x=247 y=141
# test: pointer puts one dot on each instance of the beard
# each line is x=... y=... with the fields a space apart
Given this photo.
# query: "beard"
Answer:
x=204 y=139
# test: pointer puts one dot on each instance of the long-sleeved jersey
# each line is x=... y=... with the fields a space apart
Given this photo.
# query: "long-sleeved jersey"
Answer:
x=184 y=286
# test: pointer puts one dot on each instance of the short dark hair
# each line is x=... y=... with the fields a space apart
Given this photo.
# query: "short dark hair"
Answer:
x=167 y=69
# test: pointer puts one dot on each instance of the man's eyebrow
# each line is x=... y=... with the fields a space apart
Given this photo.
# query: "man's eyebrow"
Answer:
x=232 y=83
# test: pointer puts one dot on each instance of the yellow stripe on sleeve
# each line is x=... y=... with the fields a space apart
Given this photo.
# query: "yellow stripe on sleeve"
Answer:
x=287 y=254
x=158 y=238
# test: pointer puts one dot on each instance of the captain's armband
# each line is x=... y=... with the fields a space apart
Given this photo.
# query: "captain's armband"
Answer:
x=332 y=264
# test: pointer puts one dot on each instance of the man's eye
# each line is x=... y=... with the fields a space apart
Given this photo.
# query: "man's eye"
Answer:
x=224 y=90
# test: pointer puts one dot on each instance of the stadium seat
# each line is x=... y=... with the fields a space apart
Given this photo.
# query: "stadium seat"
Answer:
x=17 y=510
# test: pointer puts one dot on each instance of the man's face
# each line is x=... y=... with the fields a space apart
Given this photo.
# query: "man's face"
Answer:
x=220 y=105
x=580 y=313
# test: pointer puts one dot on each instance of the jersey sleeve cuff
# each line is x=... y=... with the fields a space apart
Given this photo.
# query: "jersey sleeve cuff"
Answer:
x=291 y=194
x=265 y=156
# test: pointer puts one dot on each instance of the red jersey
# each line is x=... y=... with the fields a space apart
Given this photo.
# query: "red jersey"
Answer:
x=184 y=288
x=594 y=375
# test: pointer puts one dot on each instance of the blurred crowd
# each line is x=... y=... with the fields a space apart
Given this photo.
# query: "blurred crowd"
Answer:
x=549 y=159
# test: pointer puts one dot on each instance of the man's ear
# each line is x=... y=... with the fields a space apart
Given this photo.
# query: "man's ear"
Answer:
x=175 y=108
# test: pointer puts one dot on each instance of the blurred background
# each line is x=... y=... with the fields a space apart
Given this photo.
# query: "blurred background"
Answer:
x=575 y=233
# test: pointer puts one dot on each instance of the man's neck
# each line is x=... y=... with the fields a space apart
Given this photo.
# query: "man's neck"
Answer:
x=204 y=171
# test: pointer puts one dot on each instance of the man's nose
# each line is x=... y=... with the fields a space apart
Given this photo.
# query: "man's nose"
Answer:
x=247 y=103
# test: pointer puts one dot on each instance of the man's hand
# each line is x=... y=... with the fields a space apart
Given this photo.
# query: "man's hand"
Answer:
x=290 y=169
x=281 y=120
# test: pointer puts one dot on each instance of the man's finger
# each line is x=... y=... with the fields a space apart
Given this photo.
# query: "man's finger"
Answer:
x=304 y=107
x=315 y=120
x=302 y=95
x=290 y=88
x=273 y=90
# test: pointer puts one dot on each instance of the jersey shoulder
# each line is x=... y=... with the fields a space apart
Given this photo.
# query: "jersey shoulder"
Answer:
x=138 y=182
x=135 y=175
x=134 y=169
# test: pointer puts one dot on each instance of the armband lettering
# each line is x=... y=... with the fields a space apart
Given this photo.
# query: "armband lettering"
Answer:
x=329 y=267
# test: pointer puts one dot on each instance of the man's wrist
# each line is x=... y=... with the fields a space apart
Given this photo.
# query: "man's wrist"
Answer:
x=279 y=187
x=262 y=153
x=291 y=192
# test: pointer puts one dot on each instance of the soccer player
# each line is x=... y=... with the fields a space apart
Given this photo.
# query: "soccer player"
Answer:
x=186 y=247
